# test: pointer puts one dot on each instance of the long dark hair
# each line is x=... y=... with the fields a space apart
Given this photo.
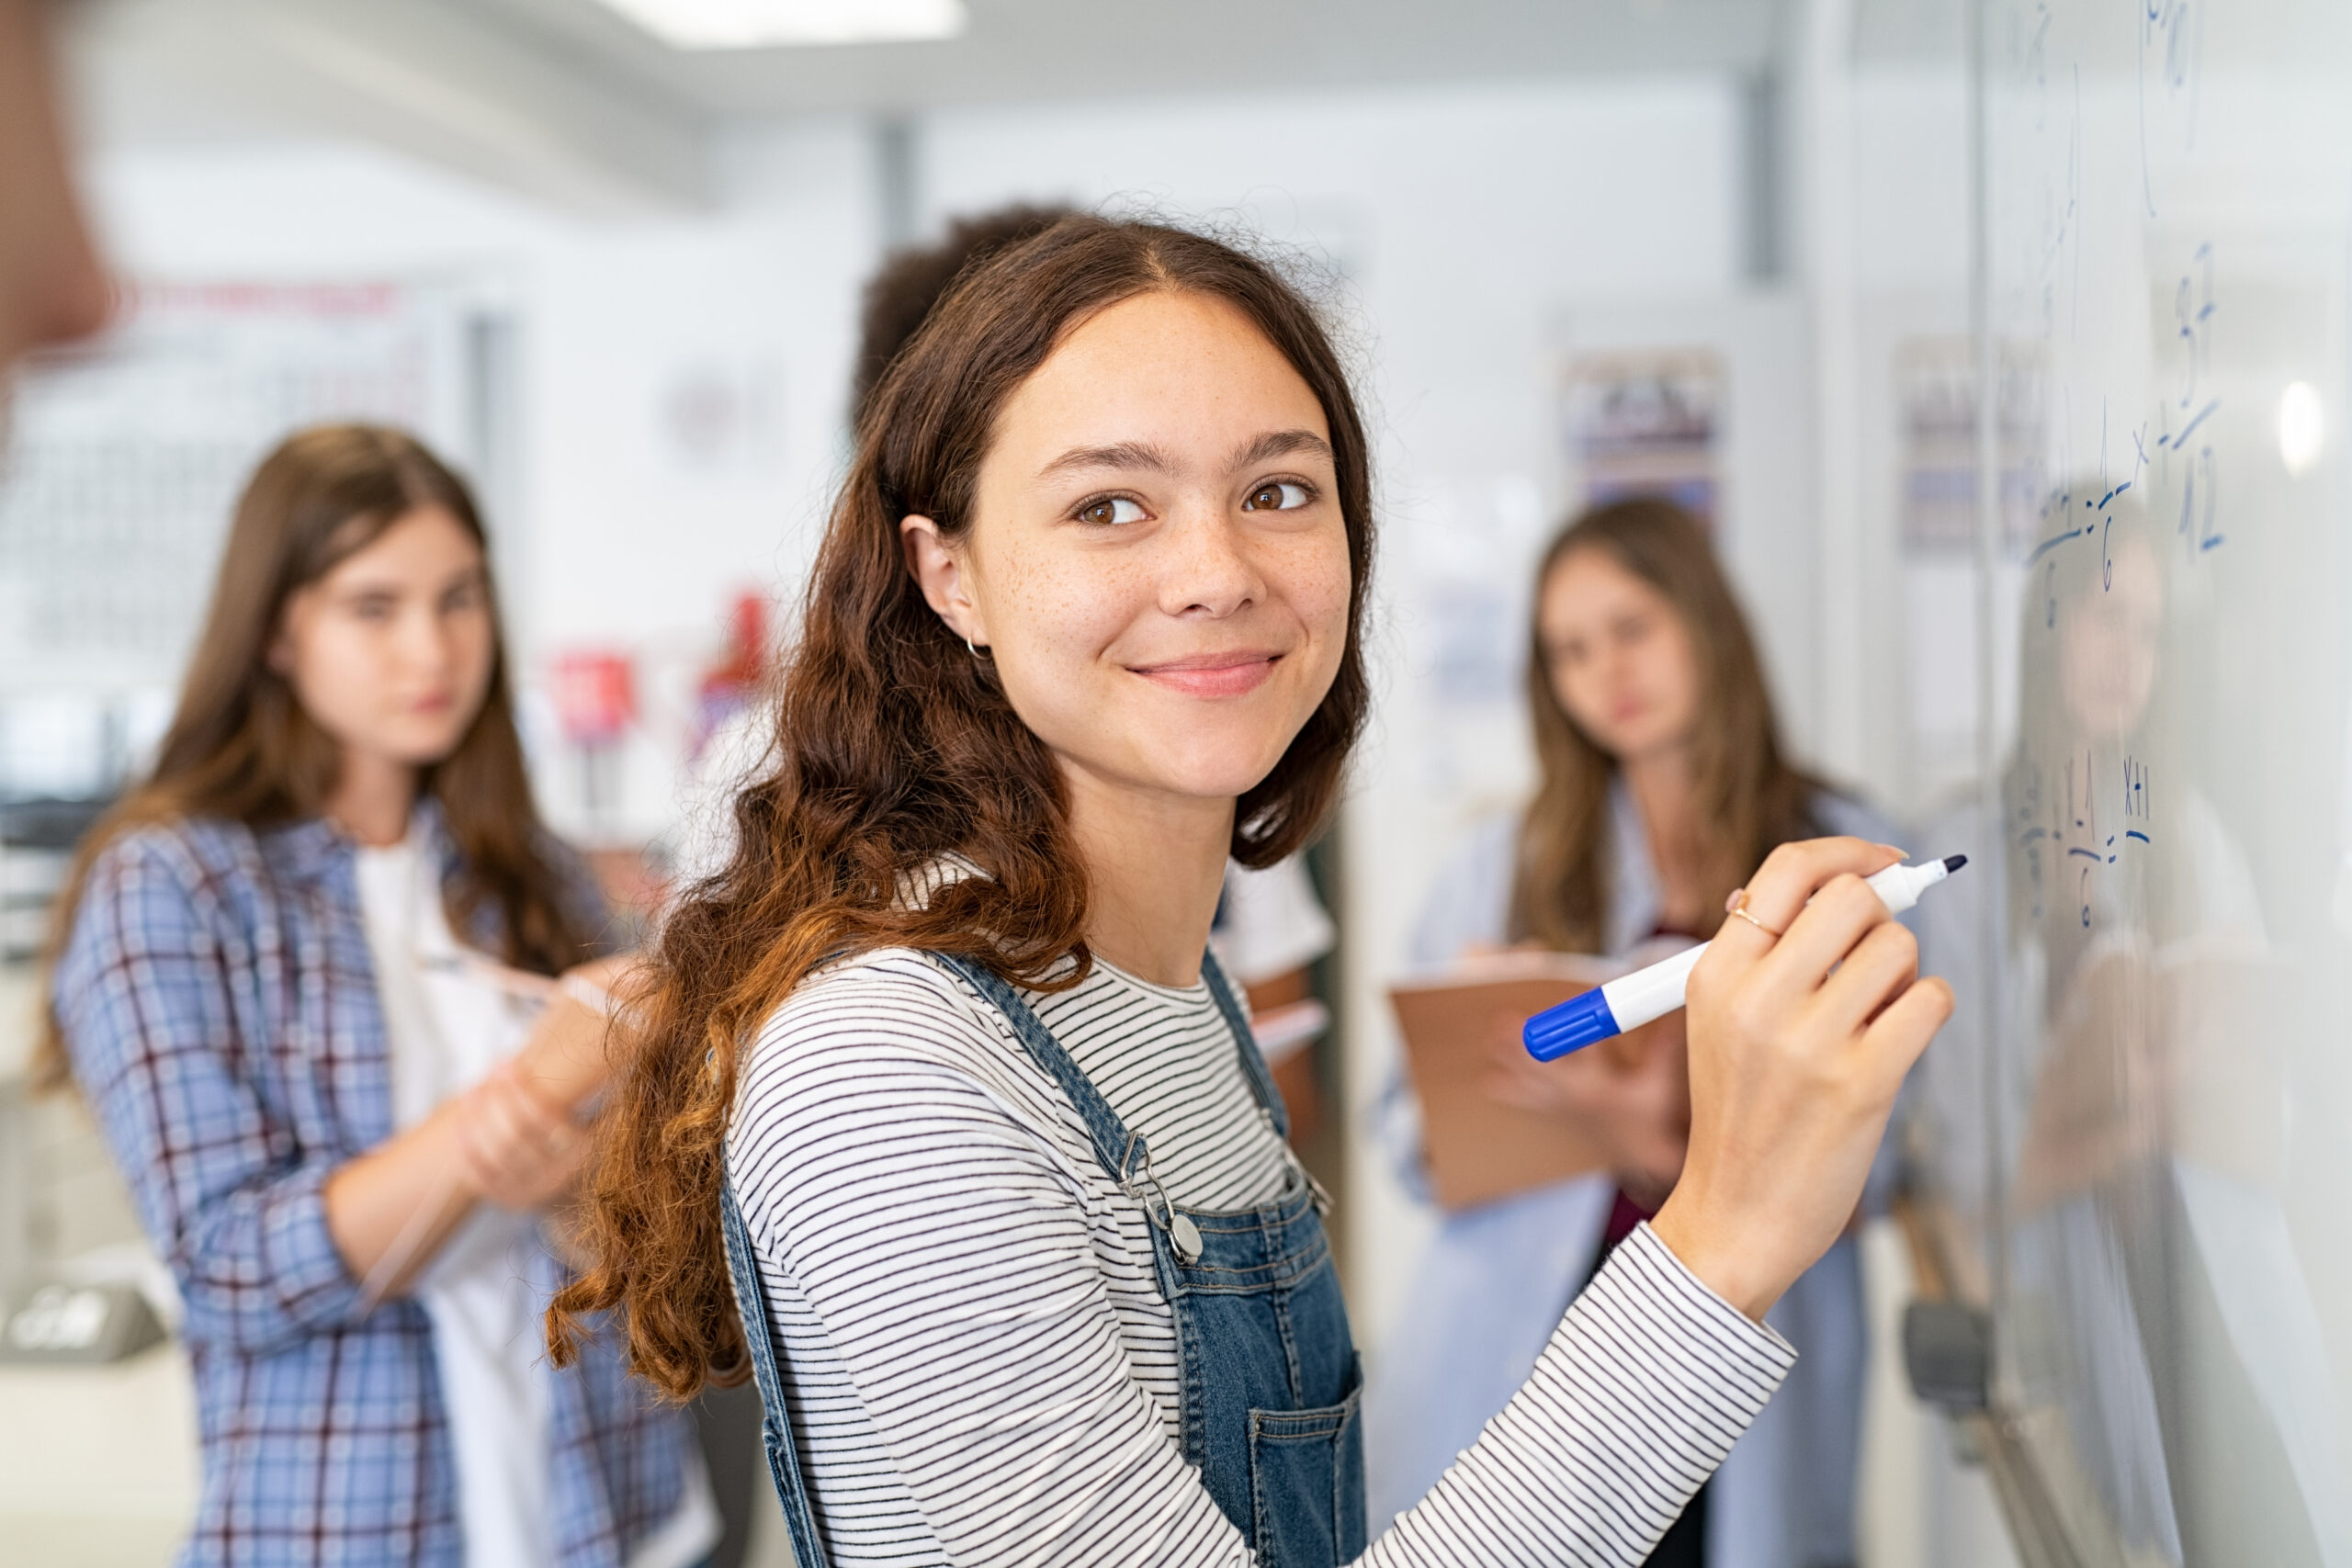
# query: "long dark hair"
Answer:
x=895 y=747
x=240 y=747
x=910 y=281
x=1750 y=798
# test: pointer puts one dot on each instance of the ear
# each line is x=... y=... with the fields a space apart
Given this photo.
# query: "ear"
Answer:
x=943 y=572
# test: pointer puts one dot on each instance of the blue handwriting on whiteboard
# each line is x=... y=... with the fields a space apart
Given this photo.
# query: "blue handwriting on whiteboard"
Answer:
x=2076 y=828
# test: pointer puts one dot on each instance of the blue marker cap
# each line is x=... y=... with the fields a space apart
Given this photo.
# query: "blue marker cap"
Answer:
x=1581 y=1021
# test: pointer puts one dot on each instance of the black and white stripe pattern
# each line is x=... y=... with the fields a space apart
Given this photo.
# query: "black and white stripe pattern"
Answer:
x=982 y=1369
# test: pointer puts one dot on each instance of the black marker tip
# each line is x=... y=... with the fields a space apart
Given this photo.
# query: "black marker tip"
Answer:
x=1953 y=862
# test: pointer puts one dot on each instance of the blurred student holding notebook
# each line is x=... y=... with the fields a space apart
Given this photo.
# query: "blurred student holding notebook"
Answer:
x=1662 y=786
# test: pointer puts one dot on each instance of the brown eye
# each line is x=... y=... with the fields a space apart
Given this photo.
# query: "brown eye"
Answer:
x=1109 y=510
x=1276 y=497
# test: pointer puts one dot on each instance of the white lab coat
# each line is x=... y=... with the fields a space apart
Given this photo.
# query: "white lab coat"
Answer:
x=1497 y=1278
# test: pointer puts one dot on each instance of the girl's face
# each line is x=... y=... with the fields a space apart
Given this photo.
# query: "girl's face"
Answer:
x=1619 y=655
x=2106 y=661
x=1156 y=565
x=391 y=651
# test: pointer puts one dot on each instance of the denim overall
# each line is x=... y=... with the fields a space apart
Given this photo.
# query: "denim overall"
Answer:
x=1270 y=1369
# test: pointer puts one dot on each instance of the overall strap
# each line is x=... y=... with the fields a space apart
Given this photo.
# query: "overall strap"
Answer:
x=1122 y=1153
x=775 y=1422
x=1253 y=1062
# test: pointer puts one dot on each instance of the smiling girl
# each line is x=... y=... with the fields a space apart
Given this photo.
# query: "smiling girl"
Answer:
x=938 y=1064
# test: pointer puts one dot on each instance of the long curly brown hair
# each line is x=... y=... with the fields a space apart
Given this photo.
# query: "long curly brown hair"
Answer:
x=893 y=747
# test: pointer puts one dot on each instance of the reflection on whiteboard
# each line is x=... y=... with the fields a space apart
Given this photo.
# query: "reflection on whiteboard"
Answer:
x=1647 y=425
x=2140 y=1131
x=124 y=459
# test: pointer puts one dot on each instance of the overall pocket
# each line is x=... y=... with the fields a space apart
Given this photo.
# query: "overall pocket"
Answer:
x=1306 y=1484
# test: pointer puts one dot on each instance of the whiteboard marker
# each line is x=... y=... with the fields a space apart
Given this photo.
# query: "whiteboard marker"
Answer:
x=1647 y=995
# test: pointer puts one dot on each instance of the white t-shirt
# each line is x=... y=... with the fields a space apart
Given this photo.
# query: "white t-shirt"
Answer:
x=446 y=1027
x=1269 y=922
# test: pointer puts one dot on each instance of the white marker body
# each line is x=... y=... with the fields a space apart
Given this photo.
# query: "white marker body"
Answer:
x=1647 y=995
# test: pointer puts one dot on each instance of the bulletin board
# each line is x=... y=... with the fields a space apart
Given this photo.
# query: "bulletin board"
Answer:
x=124 y=459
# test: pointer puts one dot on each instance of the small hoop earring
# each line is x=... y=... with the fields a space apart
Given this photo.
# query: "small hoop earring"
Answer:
x=975 y=652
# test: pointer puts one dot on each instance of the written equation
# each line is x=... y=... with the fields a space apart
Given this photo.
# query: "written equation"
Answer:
x=2066 y=829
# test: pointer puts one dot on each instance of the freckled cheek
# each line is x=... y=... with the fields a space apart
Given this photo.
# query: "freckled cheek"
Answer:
x=1069 y=618
x=1315 y=580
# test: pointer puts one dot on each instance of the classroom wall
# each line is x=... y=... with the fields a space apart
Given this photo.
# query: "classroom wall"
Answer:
x=630 y=517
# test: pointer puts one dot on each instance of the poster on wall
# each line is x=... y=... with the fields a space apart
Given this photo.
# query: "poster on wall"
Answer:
x=1935 y=382
x=1935 y=403
x=1647 y=422
x=123 y=460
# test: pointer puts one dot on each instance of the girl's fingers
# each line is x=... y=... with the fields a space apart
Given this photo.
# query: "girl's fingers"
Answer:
x=1795 y=873
x=1827 y=928
x=1900 y=1032
x=490 y=1122
x=474 y=1143
x=511 y=1139
x=1874 y=973
x=1823 y=935
x=513 y=1087
x=1810 y=908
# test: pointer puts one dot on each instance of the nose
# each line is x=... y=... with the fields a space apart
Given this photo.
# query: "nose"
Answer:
x=427 y=643
x=1209 y=571
x=1604 y=662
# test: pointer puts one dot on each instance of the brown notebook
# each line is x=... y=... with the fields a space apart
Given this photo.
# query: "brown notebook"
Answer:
x=1477 y=1148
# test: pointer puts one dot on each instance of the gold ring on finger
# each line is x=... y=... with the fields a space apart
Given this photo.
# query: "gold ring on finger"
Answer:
x=1739 y=908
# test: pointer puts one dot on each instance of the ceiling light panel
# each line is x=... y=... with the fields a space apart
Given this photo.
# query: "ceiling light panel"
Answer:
x=771 y=24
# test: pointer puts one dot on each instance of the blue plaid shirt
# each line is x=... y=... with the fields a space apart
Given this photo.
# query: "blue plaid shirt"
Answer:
x=220 y=1006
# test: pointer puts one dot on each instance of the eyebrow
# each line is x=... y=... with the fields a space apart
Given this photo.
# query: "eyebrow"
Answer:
x=1119 y=455
x=1143 y=455
x=1281 y=444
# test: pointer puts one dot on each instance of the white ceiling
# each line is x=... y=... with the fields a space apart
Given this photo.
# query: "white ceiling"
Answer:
x=568 y=101
x=1017 y=50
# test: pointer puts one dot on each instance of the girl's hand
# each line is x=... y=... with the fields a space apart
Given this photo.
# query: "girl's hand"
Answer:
x=1798 y=1045
x=1629 y=1097
x=517 y=1150
x=568 y=1057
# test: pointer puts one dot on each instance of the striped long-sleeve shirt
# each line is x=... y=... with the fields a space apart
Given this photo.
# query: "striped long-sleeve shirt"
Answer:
x=980 y=1366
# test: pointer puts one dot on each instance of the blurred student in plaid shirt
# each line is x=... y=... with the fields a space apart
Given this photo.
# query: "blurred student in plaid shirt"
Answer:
x=332 y=989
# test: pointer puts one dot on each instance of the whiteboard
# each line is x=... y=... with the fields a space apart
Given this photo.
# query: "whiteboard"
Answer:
x=2138 y=1136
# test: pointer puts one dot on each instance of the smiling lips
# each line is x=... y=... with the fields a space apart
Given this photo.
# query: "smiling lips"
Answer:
x=1211 y=674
